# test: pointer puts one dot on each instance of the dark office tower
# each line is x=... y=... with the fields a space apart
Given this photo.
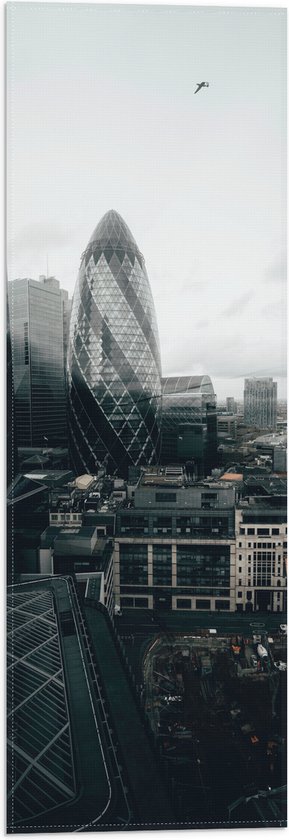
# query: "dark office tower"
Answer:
x=189 y=423
x=11 y=434
x=260 y=402
x=114 y=366
x=36 y=323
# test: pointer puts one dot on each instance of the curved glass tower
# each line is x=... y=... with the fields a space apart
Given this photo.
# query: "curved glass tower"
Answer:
x=114 y=368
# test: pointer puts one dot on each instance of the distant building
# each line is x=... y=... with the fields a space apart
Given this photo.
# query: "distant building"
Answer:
x=280 y=459
x=227 y=426
x=189 y=423
x=231 y=405
x=37 y=338
x=260 y=403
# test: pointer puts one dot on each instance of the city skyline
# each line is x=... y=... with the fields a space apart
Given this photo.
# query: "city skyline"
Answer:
x=199 y=181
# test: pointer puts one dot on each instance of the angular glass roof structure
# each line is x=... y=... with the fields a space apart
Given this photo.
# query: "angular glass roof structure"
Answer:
x=114 y=367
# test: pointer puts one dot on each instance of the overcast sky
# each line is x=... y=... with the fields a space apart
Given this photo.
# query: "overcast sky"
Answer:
x=102 y=114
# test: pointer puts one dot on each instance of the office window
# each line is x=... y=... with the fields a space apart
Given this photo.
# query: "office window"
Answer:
x=222 y=605
x=203 y=604
x=133 y=562
x=141 y=602
x=162 y=565
x=184 y=603
x=126 y=602
x=166 y=497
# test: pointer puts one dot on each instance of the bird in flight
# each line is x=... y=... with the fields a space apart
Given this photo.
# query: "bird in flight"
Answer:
x=200 y=85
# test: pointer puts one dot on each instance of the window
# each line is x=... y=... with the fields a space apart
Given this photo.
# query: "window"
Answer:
x=162 y=565
x=141 y=602
x=240 y=583
x=240 y=595
x=203 y=566
x=250 y=531
x=249 y=596
x=166 y=497
x=240 y=557
x=240 y=545
x=126 y=602
x=202 y=604
x=222 y=605
x=264 y=532
x=249 y=545
x=242 y=531
x=275 y=531
x=133 y=561
x=184 y=603
x=240 y=569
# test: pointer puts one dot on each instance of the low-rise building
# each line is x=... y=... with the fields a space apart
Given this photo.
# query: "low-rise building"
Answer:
x=261 y=554
x=82 y=552
x=175 y=548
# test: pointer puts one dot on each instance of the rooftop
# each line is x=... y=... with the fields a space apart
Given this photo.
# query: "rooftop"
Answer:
x=53 y=707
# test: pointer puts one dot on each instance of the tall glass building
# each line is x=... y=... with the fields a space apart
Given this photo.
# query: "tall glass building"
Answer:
x=114 y=368
x=36 y=324
x=189 y=423
x=260 y=402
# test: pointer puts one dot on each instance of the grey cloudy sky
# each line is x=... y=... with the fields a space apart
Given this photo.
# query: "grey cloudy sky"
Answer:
x=102 y=114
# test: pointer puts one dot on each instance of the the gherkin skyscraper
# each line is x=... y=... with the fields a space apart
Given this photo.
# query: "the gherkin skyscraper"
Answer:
x=114 y=368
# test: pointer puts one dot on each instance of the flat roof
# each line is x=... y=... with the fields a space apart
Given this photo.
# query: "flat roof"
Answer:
x=231 y=477
x=65 y=771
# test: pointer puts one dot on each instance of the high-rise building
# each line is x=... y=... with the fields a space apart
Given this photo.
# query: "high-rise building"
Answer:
x=11 y=436
x=231 y=405
x=36 y=323
x=260 y=402
x=189 y=422
x=114 y=368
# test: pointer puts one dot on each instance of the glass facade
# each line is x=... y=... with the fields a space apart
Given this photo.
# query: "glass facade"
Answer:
x=114 y=367
x=36 y=323
x=203 y=566
x=162 y=565
x=133 y=563
x=260 y=403
x=189 y=423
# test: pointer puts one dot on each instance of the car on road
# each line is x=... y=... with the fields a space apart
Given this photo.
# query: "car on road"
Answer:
x=283 y=629
x=280 y=665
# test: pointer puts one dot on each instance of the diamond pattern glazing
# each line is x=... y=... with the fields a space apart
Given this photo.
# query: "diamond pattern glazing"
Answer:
x=114 y=368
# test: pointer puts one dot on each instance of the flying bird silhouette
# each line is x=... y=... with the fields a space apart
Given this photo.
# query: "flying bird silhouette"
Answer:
x=200 y=85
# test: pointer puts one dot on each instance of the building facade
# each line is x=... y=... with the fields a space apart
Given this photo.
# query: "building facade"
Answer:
x=36 y=324
x=175 y=549
x=261 y=554
x=114 y=369
x=260 y=403
x=189 y=423
x=227 y=426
